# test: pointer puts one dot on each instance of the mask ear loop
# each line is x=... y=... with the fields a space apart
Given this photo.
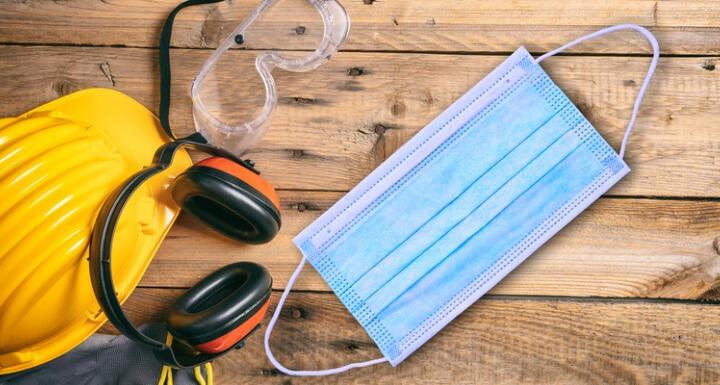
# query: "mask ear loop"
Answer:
x=651 y=69
x=304 y=373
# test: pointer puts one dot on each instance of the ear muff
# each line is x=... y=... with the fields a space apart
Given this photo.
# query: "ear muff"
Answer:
x=230 y=198
x=223 y=308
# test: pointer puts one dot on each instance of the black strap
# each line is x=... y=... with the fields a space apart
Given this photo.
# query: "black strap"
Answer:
x=101 y=246
x=165 y=85
x=165 y=75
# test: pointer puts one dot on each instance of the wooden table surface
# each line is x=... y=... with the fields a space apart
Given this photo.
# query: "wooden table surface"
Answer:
x=625 y=294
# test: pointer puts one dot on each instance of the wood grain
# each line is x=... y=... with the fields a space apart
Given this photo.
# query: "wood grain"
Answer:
x=683 y=27
x=405 y=61
x=495 y=341
x=617 y=248
x=336 y=124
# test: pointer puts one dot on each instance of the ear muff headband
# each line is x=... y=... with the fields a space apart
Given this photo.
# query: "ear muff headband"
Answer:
x=101 y=248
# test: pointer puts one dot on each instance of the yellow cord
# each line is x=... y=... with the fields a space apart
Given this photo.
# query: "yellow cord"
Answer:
x=208 y=371
x=166 y=376
x=163 y=376
x=198 y=376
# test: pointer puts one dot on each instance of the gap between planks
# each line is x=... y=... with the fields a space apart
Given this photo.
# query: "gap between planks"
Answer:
x=372 y=103
x=174 y=48
x=402 y=25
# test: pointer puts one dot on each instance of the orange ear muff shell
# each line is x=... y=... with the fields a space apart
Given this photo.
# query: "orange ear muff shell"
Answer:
x=256 y=181
x=232 y=338
x=230 y=198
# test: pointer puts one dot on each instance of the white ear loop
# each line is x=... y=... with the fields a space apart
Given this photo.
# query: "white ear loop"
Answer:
x=271 y=325
x=651 y=69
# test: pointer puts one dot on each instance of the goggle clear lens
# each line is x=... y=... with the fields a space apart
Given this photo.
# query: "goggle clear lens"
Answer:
x=234 y=93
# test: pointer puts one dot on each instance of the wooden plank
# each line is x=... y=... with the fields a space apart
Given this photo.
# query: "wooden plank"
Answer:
x=495 y=341
x=683 y=27
x=336 y=124
x=618 y=248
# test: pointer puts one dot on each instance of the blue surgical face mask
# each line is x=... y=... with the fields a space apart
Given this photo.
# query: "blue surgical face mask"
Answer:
x=460 y=205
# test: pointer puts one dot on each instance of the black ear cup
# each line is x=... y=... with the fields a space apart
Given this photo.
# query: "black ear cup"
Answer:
x=220 y=303
x=227 y=204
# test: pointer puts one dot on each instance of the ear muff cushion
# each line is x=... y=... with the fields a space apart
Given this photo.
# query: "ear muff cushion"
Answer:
x=227 y=204
x=219 y=303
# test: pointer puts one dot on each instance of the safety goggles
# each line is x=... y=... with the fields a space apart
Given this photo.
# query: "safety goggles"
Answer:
x=235 y=120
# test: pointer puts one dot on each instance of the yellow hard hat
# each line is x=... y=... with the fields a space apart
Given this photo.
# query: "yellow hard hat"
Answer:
x=58 y=163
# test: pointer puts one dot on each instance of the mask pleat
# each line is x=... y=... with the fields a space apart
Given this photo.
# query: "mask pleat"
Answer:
x=501 y=197
x=405 y=209
x=478 y=251
x=483 y=188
